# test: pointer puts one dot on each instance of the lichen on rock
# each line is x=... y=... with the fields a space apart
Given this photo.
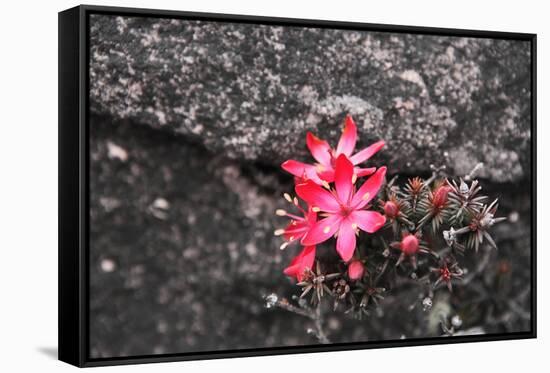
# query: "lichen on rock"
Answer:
x=252 y=91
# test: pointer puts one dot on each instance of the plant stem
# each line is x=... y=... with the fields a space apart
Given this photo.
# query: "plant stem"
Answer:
x=315 y=314
x=319 y=325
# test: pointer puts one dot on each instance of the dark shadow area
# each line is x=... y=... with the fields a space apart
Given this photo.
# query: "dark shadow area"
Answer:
x=182 y=251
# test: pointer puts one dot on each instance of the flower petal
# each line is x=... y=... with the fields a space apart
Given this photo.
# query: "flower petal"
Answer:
x=368 y=221
x=301 y=262
x=343 y=178
x=317 y=196
x=360 y=172
x=325 y=173
x=345 y=243
x=311 y=216
x=292 y=268
x=346 y=145
x=311 y=174
x=295 y=168
x=301 y=170
x=295 y=230
x=366 y=153
x=308 y=255
x=369 y=189
x=320 y=149
x=322 y=230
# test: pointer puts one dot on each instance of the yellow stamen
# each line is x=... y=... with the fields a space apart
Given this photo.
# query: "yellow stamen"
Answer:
x=280 y=212
x=326 y=185
x=326 y=230
x=354 y=225
x=366 y=196
x=315 y=209
x=295 y=201
x=279 y=232
x=291 y=238
x=320 y=168
x=283 y=246
x=354 y=178
x=287 y=197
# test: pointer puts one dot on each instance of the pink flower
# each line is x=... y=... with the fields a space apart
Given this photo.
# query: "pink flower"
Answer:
x=356 y=269
x=298 y=226
x=301 y=263
x=326 y=157
x=343 y=208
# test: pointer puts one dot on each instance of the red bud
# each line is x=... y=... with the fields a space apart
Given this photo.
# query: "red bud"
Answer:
x=409 y=244
x=356 y=269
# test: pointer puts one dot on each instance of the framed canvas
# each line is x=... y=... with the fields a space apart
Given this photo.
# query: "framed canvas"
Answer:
x=239 y=186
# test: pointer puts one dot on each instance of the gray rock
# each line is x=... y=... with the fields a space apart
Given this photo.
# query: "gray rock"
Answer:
x=182 y=251
x=252 y=92
x=179 y=263
x=189 y=124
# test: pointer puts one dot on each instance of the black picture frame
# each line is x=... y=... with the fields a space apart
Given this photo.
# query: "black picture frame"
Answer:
x=74 y=188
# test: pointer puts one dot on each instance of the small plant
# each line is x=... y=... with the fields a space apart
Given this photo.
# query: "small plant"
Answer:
x=374 y=227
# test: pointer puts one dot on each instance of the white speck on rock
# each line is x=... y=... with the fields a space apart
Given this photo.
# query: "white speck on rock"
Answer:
x=161 y=117
x=308 y=95
x=414 y=77
x=191 y=253
x=162 y=326
x=233 y=252
x=251 y=249
x=159 y=208
x=121 y=25
x=109 y=204
x=456 y=321
x=188 y=59
x=115 y=151
x=135 y=90
x=161 y=203
x=108 y=265
x=197 y=129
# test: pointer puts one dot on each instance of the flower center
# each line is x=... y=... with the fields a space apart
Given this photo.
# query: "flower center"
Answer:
x=345 y=211
x=445 y=273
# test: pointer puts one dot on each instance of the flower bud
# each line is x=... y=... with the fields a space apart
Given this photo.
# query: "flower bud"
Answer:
x=440 y=196
x=409 y=244
x=356 y=269
x=391 y=209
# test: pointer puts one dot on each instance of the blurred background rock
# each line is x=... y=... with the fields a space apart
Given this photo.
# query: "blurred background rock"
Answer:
x=189 y=123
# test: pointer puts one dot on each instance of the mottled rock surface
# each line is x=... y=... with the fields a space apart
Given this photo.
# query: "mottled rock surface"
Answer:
x=182 y=252
x=251 y=92
x=189 y=124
